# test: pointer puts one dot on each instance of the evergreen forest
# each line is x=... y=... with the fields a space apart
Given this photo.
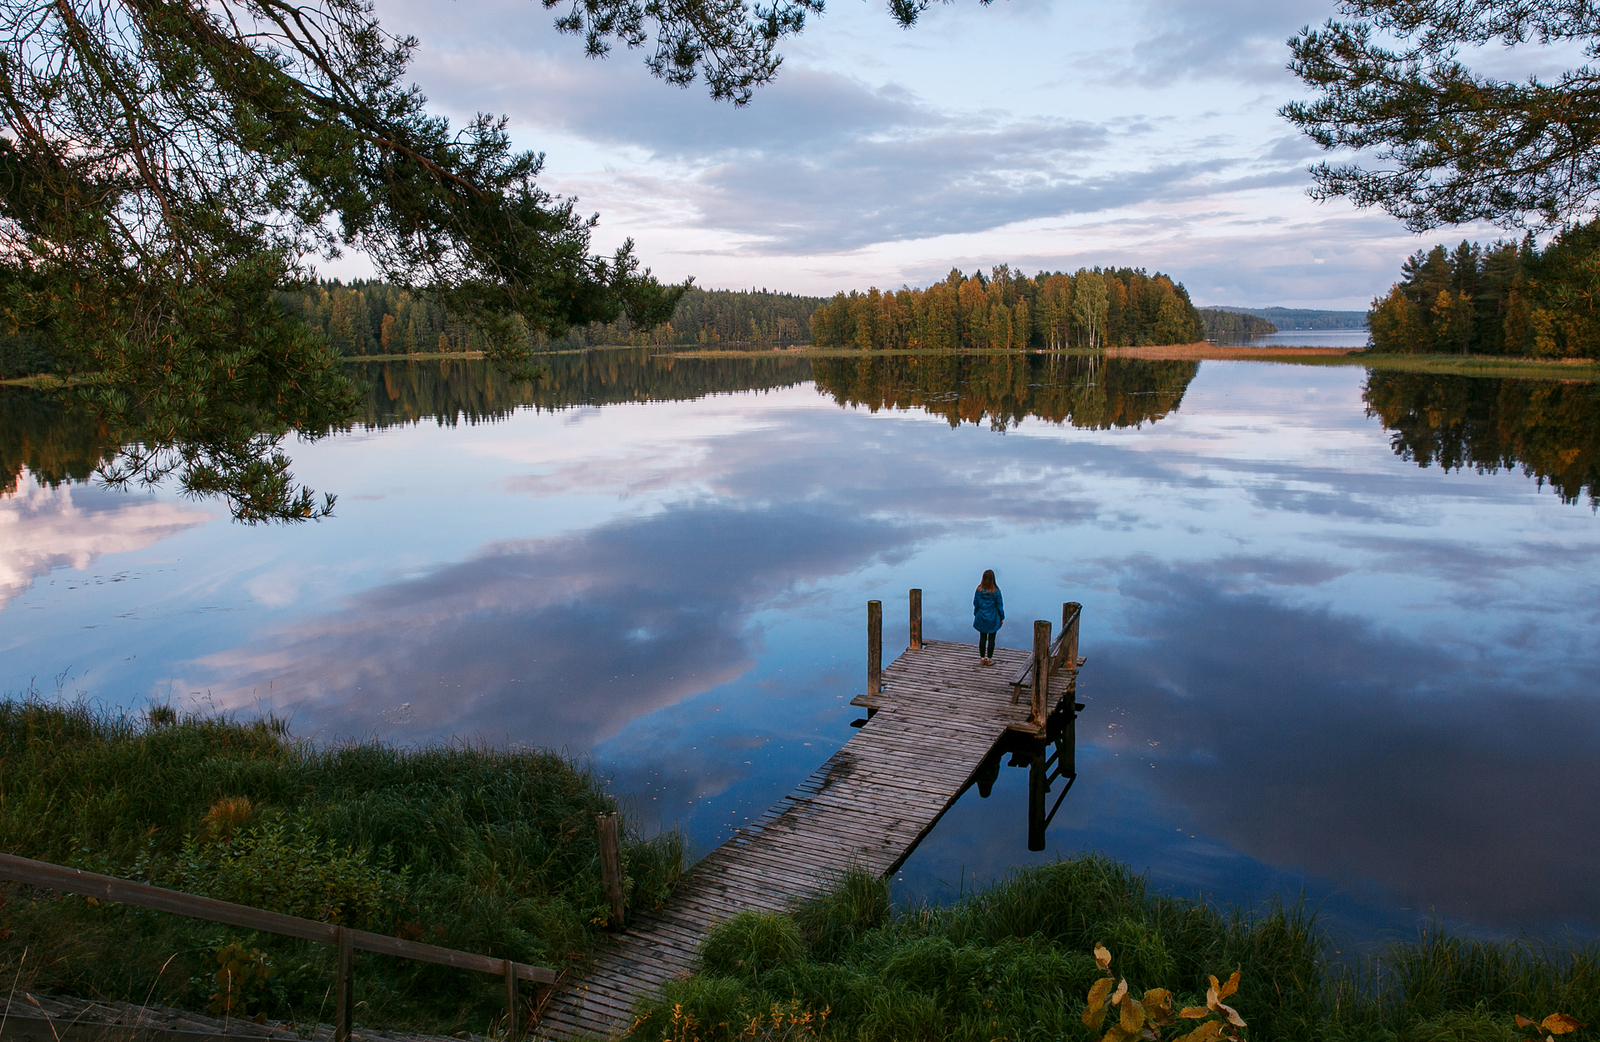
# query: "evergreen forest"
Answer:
x=1508 y=298
x=374 y=318
x=1009 y=311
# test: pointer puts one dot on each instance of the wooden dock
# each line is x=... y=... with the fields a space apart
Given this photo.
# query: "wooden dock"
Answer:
x=937 y=721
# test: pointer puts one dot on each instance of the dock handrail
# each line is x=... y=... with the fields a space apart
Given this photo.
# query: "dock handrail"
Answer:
x=1063 y=651
x=345 y=939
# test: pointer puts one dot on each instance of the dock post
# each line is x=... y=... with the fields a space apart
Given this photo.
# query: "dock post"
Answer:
x=1037 y=789
x=916 y=620
x=874 y=647
x=344 y=985
x=1071 y=615
x=611 y=868
x=1041 y=670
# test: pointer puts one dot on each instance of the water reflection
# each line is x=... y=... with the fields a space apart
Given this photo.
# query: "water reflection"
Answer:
x=1551 y=429
x=1311 y=663
x=38 y=433
x=457 y=390
x=567 y=639
x=1083 y=391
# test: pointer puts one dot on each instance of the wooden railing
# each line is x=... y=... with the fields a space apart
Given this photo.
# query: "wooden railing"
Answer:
x=345 y=940
x=1048 y=658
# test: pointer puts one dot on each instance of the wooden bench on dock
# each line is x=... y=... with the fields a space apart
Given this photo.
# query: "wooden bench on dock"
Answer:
x=937 y=722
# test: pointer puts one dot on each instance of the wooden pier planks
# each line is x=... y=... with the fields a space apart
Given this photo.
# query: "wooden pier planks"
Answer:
x=938 y=716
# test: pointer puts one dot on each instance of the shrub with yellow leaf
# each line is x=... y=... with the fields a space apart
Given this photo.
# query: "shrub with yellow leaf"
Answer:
x=1551 y=1026
x=1143 y=1018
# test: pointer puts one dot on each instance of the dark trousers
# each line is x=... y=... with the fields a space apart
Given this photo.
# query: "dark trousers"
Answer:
x=986 y=645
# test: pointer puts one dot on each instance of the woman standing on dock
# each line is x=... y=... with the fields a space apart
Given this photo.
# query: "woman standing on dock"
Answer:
x=988 y=615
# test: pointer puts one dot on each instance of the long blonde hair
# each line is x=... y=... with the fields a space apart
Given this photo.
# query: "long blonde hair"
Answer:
x=988 y=582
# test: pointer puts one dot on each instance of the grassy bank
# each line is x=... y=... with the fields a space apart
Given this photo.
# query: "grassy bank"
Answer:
x=482 y=850
x=1014 y=962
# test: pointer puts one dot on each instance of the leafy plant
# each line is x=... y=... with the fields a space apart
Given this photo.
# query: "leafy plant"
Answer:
x=241 y=981
x=1144 y=1018
x=286 y=867
x=1549 y=1027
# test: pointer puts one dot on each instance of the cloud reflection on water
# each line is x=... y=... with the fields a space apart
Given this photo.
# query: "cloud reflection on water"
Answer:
x=557 y=641
x=1362 y=677
x=1273 y=724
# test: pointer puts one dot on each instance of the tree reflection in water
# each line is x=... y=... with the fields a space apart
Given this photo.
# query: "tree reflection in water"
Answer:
x=1551 y=429
x=1082 y=390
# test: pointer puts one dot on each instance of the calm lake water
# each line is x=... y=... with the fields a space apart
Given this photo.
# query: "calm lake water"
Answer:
x=1315 y=666
x=1306 y=338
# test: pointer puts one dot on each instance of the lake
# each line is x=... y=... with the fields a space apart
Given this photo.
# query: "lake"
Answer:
x=1341 y=627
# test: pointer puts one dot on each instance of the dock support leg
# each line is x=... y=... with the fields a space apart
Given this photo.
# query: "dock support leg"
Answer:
x=916 y=620
x=874 y=647
x=1036 y=796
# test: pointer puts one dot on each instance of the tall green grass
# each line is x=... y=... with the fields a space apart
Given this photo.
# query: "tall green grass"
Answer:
x=468 y=847
x=1014 y=961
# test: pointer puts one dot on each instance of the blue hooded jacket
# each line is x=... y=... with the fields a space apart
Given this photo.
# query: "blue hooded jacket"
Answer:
x=988 y=611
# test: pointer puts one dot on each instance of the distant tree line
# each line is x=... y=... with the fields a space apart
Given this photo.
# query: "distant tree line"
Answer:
x=369 y=318
x=1008 y=310
x=1234 y=325
x=1509 y=298
x=1303 y=318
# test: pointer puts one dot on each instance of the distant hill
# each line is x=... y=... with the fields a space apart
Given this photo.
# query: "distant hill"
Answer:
x=1301 y=318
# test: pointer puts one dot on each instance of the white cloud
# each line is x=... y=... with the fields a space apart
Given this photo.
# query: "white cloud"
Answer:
x=1044 y=134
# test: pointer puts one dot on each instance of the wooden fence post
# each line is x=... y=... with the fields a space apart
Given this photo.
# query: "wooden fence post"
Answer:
x=874 y=647
x=916 y=620
x=1041 y=670
x=611 y=868
x=344 y=986
x=511 y=1001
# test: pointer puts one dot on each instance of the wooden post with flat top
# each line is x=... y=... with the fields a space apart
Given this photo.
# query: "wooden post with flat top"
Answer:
x=344 y=986
x=511 y=1001
x=916 y=620
x=1071 y=615
x=874 y=647
x=1041 y=670
x=611 y=868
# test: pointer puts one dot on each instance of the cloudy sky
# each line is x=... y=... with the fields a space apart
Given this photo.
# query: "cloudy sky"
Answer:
x=1043 y=133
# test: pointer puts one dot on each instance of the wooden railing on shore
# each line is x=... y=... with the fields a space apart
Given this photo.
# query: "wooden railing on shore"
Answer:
x=345 y=940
